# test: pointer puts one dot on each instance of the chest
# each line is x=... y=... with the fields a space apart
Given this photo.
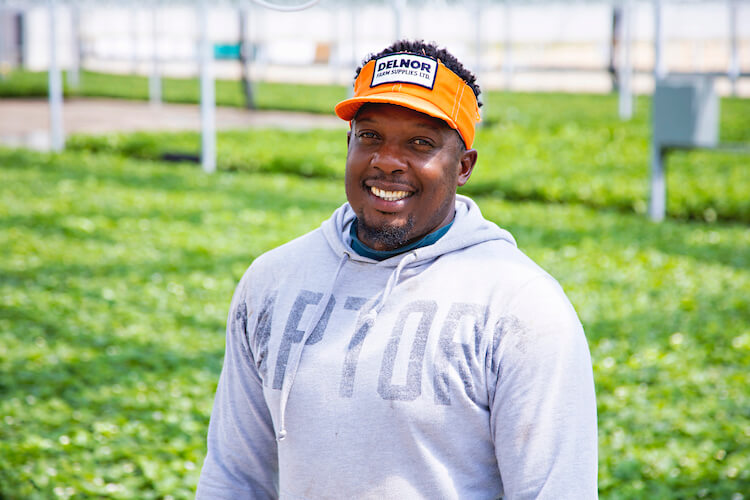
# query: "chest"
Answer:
x=426 y=343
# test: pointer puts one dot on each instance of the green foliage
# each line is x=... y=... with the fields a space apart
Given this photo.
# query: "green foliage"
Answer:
x=666 y=316
x=113 y=294
x=574 y=149
x=23 y=84
x=118 y=273
x=281 y=96
x=559 y=148
x=308 y=154
x=543 y=147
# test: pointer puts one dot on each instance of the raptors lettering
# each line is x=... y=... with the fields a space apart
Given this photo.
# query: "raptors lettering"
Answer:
x=450 y=355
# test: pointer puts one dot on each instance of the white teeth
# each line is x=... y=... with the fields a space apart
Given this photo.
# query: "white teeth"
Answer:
x=389 y=195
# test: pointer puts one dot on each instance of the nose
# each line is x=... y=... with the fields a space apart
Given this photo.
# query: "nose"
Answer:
x=389 y=158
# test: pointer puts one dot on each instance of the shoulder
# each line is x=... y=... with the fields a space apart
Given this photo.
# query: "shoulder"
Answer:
x=500 y=263
x=537 y=323
x=269 y=268
x=531 y=295
x=307 y=246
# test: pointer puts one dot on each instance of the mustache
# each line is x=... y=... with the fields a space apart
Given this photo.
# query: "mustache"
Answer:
x=392 y=179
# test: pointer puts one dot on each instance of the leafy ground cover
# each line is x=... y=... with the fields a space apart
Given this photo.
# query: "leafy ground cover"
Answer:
x=559 y=148
x=282 y=96
x=574 y=148
x=543 y=147
x=308 y=154
x=118 y=273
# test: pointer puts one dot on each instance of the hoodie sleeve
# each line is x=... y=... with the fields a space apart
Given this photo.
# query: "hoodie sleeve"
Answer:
x=543 y=411
x=241 y=460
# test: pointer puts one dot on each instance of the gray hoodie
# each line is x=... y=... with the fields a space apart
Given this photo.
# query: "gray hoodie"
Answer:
x=456 y=370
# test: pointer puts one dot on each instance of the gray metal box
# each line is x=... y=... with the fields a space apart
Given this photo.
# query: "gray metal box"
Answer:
x=685 y=112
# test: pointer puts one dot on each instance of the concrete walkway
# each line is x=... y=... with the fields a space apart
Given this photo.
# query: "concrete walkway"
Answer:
x=25 y=122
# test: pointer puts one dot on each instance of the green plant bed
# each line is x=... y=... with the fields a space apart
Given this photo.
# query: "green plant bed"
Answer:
x=574 y=149
x=319 y=153
x=118 y=273
x=536 y=147
x=280 y=96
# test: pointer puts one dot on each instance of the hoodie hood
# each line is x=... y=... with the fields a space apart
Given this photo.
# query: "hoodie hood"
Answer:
x=469 y=228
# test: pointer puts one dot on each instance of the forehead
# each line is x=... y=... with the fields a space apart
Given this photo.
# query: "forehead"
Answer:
x=381 y=112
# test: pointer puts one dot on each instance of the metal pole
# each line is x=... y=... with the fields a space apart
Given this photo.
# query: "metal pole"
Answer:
x=625 y=103
x=508 y=49
x=417 y=20
x=659 y=70
x=57 y=137
x=353 y=24
x=658 y=202
x=734 y=57
x=208 y=118
x=4 y=65
x=246 y=56
x=154 y=81
x=614 y=44
x=398 y=10
x=74 y=73
x=353 y=21
x=335 y=61
x=478 y=36
x=134 y=38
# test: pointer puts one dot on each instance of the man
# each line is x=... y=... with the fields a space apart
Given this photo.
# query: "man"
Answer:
x=406 y=348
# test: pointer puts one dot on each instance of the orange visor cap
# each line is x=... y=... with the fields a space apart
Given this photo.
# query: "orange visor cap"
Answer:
x=417 y=82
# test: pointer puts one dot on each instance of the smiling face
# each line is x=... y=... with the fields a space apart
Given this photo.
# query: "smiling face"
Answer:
x=402 y=170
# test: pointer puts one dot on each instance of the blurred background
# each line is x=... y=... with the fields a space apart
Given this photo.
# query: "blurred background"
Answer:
x=525 y=45
x=149 y=151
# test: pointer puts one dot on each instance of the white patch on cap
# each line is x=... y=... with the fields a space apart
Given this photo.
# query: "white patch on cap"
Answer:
x=405 y=68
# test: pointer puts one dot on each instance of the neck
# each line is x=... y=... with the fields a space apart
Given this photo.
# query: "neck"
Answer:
x=366 y=251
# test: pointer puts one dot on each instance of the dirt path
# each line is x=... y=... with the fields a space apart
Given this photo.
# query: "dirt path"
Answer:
x=25 y=122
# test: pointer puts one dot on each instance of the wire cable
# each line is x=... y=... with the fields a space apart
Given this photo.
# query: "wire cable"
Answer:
x=285 y=8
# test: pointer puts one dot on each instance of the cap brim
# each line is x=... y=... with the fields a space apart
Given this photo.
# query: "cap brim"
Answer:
x=347 y=109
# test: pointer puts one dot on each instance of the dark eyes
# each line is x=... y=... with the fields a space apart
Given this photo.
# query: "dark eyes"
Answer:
x=420 y=142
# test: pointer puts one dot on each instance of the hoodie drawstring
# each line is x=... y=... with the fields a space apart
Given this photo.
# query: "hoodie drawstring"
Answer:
x=390 y=285
x=296 y=354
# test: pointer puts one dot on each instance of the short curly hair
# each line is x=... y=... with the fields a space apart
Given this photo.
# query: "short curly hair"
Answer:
x=428 y=49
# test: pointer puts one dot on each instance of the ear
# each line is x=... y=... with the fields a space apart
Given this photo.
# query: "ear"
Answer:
x=348 y=137
x=466 y=163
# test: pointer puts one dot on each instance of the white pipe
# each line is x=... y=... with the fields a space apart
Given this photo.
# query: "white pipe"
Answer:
x=134 y=37
x=286 y=8
x=74 y=73
x=208 y=111
x=154 y=81
x=398 y=11
x=336 y=58
x=659 y=67
x=508 y=47
x=625 y=102
x=355 y=54
x=57 y=136
x=353 y=22
x=734 y=57
x=4 y=66
x=246 y=54
x=657 y=204
x=478 y=36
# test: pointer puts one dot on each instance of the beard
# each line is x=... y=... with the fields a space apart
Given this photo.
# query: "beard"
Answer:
x=390 y=237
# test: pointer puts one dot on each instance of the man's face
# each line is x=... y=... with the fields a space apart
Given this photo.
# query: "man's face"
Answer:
x=402 y=170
